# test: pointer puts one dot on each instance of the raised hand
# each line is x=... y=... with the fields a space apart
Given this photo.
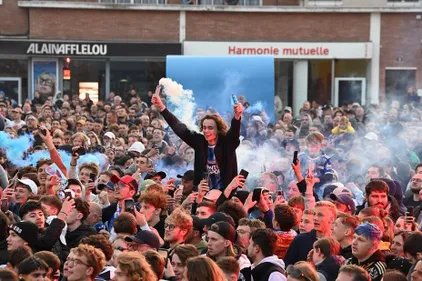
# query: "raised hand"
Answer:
x=238 y=110
x=156 y=100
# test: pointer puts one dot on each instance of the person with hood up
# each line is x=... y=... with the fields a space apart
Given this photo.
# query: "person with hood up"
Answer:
x=327 y=264
x=266 y=266
x=365 y=251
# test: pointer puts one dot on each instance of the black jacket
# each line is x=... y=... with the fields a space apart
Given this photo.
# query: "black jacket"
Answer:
x=50 y=235
x=375 y=265
x=300 y=247
x=329 y=267
x=4 y=254
x=346 y=252
x=73 y=238
x=225 y=149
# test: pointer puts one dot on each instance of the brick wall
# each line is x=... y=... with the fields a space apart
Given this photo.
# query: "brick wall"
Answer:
x=401 y=36
x=13 y=20
x=276 y=27
x=70 y=24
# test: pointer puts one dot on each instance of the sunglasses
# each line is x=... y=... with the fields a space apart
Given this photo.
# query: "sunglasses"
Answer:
x=296 y=273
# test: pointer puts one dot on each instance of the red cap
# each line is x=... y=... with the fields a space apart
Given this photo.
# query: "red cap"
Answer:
x=131 y=182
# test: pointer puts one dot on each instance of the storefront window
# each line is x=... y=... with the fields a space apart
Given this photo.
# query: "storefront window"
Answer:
x=350 y=81
x=283 y=84
x=397 y=81
x=319 y=81
x=12 y=73
x=86 y=75
x=141 y=76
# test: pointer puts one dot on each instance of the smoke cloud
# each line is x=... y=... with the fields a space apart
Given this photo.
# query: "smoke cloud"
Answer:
x=182 y=101
x=16 y=152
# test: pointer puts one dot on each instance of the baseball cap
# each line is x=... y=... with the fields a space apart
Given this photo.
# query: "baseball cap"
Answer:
x=224 y=229
x=145 y=237
x=137 y=147
x=326 y=107
x=187 y=176
x=162 y=175
x=26 y=230
x=82 y=122
x=242 y=195
x=198 y=224
x=110 y=135
x=328 y=190
x=288 y=109
x=257 y=119
x=18 y=110
x=30 y=185
x=217 y=217
x=371 y=136
x=109 y=185
x=131 y=182
x=342 y=191
x=345 y=200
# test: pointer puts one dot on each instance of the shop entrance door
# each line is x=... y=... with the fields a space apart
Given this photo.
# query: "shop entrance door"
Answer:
x=349 y=90
x=12 y=87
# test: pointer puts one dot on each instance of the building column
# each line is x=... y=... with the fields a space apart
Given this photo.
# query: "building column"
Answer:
x=300 y=84
x=374 y=74
x=107 y=79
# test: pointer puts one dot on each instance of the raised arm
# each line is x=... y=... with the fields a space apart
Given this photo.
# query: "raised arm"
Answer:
x=179 y=128
x=54 y=154
x=234 y=132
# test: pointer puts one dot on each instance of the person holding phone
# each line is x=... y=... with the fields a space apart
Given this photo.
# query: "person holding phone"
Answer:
x=215 y=148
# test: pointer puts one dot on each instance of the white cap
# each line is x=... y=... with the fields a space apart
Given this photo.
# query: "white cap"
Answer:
x=110 y=135
x=30 y=184
x=137 y=147
x=257 y=119
x=371 y=136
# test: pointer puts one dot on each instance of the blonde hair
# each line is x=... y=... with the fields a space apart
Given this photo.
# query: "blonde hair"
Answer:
x=307 y=270
x=95 y=258
x=135 y=266
x=329 y=206
x=209 y=270
x=85 y=140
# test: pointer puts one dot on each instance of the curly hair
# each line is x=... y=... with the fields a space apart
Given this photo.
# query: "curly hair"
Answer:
x=221 y=125
x=135 y=266
x=95 y=258
x=154 y=198
x=181 y=219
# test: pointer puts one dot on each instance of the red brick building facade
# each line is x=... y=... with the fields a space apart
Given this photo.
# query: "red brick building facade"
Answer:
x=394 y=35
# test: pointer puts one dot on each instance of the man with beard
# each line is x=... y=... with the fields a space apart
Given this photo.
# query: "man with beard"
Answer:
x=413 y=199
x=376 y=196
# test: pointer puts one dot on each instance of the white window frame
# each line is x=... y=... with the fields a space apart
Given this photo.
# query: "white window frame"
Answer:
x=403 y=3
x=324 y=3
x=18 y=79
x=337 y=83
x=131 y=2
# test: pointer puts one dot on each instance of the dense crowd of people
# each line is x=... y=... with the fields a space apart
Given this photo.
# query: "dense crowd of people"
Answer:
x=340 y=199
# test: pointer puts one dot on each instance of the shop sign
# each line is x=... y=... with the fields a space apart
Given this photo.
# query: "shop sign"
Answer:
x=54 y=49
x=306 y=50
x=67 y=49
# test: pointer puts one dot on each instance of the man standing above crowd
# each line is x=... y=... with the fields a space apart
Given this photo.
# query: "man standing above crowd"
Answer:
x=215 y=149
